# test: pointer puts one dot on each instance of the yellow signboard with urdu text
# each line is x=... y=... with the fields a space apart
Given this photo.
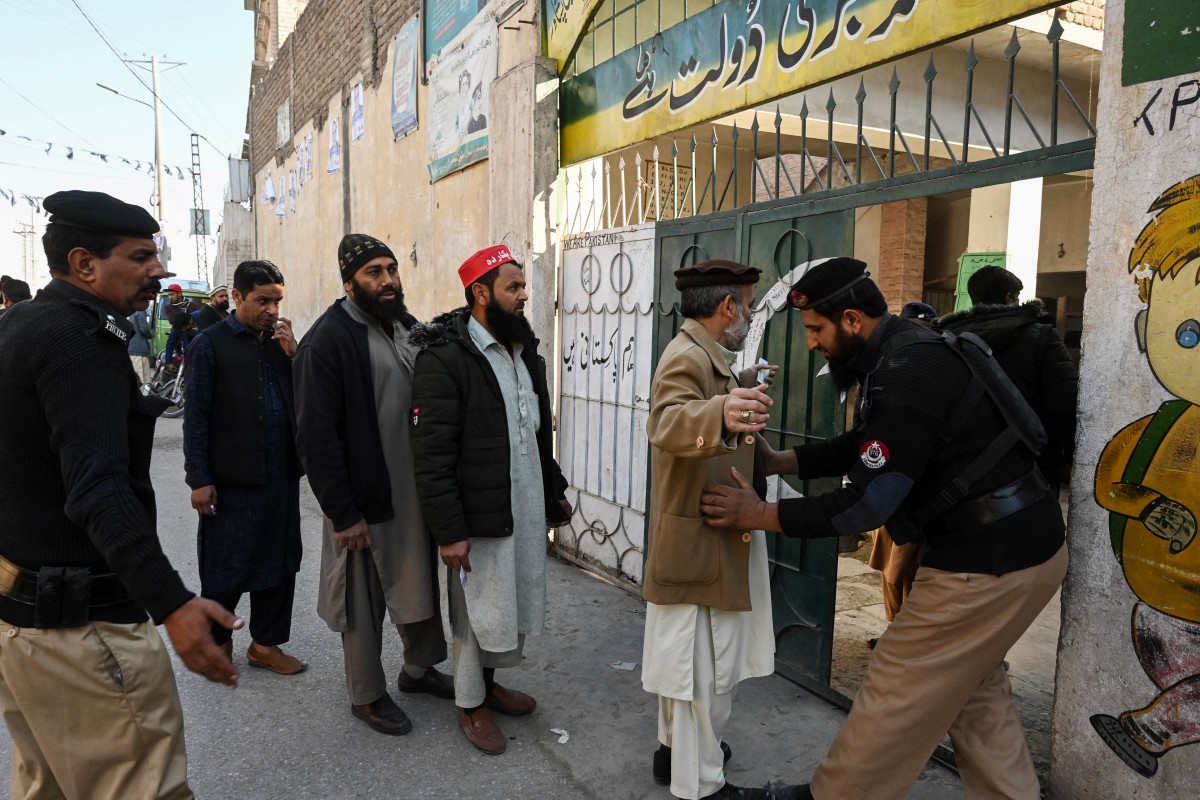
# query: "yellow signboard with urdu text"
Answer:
x=565 y=21
x=739 y=54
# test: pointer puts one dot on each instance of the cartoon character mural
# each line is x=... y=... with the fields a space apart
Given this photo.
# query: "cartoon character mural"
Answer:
x=1148 y=479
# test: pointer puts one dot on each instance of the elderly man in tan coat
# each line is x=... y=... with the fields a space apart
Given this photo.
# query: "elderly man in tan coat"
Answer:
x=708 y=615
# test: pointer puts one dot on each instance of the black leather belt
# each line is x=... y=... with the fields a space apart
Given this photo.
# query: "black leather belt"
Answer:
x=21 y=586
x=980 y=511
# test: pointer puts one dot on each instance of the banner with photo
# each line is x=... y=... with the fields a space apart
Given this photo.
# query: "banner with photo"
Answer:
x=358 y=116
x=404 y=79
x=459 y=83
x=445 y=20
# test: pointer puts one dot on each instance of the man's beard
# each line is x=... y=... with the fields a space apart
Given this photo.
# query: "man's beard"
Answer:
x=223 y=305
x=507 y=327
x=382 y=310
x=841 y=365
x=734 y=337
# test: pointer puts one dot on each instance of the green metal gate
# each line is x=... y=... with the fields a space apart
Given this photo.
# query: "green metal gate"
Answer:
x=803 y=573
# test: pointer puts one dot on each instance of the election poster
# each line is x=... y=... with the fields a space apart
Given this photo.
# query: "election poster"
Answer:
x=459 y=82
x=404 y=79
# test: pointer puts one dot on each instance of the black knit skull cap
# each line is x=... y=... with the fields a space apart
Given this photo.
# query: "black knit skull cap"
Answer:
x=826 y=279
x=357 y=249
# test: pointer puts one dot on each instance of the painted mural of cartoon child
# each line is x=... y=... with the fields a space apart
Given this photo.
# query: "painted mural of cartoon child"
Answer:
x=1149 y=479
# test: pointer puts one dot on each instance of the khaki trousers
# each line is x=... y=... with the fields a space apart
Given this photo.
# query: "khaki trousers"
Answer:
x=897 y=564
x=93 y=713
x=938 y=668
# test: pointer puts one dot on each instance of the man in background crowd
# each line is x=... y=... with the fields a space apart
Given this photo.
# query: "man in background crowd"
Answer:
x=241 y=464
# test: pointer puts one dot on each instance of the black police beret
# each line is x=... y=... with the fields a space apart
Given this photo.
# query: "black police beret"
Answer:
x=715 y=272
x=100 y=213
x=826 y=279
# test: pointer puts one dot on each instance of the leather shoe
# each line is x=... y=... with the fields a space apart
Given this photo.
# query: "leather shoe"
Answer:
x=787 y=791
x=481 y=731
x=731 y=792
x=384 y=716
x=274 y=659
x=662 y=763
x=432 y=682
x=508 y=701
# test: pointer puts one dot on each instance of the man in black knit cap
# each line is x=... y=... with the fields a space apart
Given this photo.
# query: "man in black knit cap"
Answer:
x=353 y=396
x=920 y=460
x=86 y=685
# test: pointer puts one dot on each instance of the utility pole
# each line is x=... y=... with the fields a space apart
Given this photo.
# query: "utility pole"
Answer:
x=158 y=148
x=26 y=231
x=199 y=215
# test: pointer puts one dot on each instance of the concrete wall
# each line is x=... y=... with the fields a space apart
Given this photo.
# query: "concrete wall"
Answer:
x=1101 y=679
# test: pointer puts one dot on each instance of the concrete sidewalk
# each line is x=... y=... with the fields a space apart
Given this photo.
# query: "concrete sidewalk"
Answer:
x=278 y=736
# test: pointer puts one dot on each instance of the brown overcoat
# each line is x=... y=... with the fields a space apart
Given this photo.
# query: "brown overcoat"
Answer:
x=690 y=561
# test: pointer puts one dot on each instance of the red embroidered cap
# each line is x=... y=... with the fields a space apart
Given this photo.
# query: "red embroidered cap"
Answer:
x=484 y=262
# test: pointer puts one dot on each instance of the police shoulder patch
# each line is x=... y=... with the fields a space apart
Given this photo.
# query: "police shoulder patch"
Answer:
x=874 y=454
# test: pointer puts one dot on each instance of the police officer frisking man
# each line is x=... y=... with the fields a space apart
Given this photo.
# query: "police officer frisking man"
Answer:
x=86 y=685
x=921 y=461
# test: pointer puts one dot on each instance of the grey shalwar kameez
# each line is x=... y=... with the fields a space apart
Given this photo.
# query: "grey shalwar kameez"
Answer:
x=396 y=573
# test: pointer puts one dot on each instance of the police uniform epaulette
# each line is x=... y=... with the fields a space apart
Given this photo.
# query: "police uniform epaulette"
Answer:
x=106 y=323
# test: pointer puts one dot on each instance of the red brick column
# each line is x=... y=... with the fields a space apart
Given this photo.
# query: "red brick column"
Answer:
x=901 y=269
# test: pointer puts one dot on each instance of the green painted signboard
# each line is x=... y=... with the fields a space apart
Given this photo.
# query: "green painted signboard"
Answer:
x=1162 y=40
x=968 y=265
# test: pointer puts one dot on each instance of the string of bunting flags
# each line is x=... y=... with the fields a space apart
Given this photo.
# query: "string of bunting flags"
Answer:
x=11 y=196
x=137 y=164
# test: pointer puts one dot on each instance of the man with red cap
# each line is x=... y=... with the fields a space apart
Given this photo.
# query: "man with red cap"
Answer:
x=488 y=481
x=353 y=374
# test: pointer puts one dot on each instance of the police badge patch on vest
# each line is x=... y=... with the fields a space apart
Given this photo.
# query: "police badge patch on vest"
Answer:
x=874 y=454
x=112 y=327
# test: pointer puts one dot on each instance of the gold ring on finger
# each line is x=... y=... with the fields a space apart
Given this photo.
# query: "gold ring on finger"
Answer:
x=745 y=416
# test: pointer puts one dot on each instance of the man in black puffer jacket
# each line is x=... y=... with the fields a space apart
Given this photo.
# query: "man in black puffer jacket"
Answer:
x=488 y=482
x=1033 y=356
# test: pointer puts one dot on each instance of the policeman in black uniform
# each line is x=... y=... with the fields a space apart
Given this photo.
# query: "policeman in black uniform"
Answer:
x=920 y=461
x=86 y=684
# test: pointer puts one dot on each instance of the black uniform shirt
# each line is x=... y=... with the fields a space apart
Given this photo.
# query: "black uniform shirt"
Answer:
x=893 y=456
x=75 y=444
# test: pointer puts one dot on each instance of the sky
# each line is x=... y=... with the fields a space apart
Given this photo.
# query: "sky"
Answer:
x=50 y=62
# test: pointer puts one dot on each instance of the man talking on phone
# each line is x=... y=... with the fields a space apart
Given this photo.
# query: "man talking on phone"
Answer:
x=240 y=456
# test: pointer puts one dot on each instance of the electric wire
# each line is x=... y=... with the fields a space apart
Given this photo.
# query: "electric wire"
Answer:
x=142 y=81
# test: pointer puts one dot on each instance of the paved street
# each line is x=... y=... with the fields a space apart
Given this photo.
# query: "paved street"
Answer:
x=280 y=736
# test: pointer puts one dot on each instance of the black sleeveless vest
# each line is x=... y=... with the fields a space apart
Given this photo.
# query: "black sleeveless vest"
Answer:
x=237 y=449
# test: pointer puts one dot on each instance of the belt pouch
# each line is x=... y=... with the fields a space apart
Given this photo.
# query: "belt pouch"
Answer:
x=77 y=596
x=47 y=608
x=63 y=597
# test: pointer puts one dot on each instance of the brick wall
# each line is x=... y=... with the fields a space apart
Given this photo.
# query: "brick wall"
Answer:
x=901 y=268
x=1088 y=13
x=334 y=40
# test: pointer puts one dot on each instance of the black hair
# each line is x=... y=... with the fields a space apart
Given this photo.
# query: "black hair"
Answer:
x=863 y=296
x=255 y=273
x=992 y=285
x=488 y=279
x=701 y=302
x=60 y=239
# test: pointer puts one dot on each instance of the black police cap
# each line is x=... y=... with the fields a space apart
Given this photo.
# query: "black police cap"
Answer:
x=826 y=279
x=100 y=213
x=715 y=272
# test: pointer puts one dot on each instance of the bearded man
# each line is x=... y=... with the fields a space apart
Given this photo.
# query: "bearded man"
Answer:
x=708 y=612
x=353 y=390
x=217 y=310
x=943 y=454
x=488 y=481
